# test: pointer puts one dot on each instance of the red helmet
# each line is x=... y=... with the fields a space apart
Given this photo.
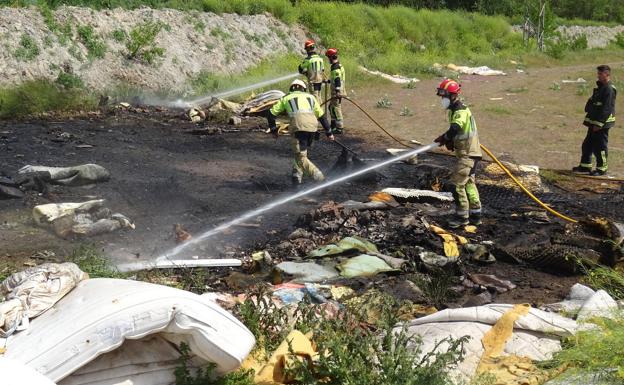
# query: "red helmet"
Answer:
x=309 y=45
x=447 y=87
x=331 y=52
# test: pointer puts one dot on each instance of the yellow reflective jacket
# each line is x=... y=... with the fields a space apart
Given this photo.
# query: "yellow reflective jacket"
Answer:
x=466 y=137
x=313 y=67
x=302 y=108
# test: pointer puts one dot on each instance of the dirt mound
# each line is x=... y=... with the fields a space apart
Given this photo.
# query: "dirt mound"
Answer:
x=38 y=47
x=597 y=36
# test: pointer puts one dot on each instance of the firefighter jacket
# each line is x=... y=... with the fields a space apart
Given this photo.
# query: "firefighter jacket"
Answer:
x=600 y=107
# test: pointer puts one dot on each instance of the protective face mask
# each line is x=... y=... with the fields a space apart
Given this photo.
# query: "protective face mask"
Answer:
x=445 y=102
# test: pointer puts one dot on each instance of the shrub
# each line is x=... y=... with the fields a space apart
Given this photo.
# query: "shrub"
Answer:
x=184 y=375
x=69 y=80
x=28 y=49
x=119 y=35
x=96 y=48
x=141 y=43
x=619 y=39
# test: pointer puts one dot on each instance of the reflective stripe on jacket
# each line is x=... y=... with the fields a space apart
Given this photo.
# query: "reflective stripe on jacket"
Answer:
x=302 y=108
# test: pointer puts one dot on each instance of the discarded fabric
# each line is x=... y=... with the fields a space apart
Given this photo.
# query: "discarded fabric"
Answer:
x=81 y=219
x=363 y=266
x=72 y=176
x=419 y=195
x=393 y=78
x=307 y=272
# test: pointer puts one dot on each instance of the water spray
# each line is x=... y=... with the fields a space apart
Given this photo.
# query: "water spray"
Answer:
x=224 y=94
x=293 y=197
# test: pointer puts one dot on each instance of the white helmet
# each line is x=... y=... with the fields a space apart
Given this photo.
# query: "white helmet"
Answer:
x=297 y=83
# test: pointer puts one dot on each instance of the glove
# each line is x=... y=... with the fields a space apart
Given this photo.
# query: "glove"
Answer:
x=274 y=132
x=449 y=146
x=441 y=140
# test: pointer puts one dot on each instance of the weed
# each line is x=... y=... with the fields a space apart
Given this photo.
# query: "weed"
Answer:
x=210 y=46
x=220 y=33
x=184 y=375
x=96 y=48
x=75 y=52
x=36 y=96
x=555 y=86
x=141 y=43
x=499 y=110
x=436 y=287
x=582 y=89
x=199 y=25
x=69 y=80
x=619 y=39
x=405 y=111
x=384 y=102
x=554 y=177
x=119 y=35
x=607 y=279
x=598 y=351
x=89 y=259
x=410 y=85
x=28 y=49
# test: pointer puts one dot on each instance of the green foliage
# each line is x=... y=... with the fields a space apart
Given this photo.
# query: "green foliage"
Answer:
x=96 y=48
x=619 y=39
x=219 y=33
x=119 y=35
x=384 y=102
x=607 y=279
x=184 y=375
x=555 y=86
x=436 y=287
x=599 y=352
x=37 y=96
x=91 y=261
x=141 y=43
x=348 y=353
x=560 y=46
x=405 y=111
x=69 y=81
x=582 y=89
x=516 y=90
x=410 y=85
x=27 y=50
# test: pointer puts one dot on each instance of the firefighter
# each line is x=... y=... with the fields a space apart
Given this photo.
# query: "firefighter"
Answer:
x=313 y=68
x=462 y=138
x=305 y=113
x=337 y=80
x=599 y=118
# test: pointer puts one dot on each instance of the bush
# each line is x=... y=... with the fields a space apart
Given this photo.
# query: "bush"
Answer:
x=118 y=35
x=96 y=48
x=69 y=81
x=619 y=39
x=141 y=43
x=28 y=49
x=206 y=376
x=36 y=96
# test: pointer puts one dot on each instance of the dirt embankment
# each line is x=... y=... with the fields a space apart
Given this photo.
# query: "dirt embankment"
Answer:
x=36 y=47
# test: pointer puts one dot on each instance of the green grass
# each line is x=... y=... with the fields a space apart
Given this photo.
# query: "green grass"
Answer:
x=141 y=43
x=27 y=50
x=37 y=96
x=91 y=261
x=597 y=353
x=96 y=48
x=607 y=279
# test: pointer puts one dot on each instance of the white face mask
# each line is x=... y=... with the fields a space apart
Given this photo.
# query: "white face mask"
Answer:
x=445 y=102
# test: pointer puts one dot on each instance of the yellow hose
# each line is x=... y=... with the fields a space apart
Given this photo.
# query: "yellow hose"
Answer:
x=489 y=153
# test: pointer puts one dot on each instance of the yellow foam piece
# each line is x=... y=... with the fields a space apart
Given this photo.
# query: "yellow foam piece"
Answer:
x=273 y=371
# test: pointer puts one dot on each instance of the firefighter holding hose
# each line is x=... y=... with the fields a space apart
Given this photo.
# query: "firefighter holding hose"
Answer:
x=313 y=68
x=462 y=138
x=305 y=113
x=337 y=80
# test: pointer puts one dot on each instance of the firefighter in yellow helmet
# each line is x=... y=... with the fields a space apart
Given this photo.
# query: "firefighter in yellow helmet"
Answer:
x=462 y=138
x=313 y=68
x=305 y=113
x=337 y=80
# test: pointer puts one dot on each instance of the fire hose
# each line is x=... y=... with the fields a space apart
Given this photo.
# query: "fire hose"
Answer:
x=485 y=149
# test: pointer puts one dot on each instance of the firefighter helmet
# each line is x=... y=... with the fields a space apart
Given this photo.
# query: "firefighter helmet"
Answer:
x=297 y=84
x=309 y=45
x=331 y=52
x=448 y=87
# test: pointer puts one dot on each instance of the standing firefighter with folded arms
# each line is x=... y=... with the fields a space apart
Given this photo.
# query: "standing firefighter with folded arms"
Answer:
x=462 y=138
x=313 y=68
x=337 y=80
x=599 y=118
x=305 y=113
